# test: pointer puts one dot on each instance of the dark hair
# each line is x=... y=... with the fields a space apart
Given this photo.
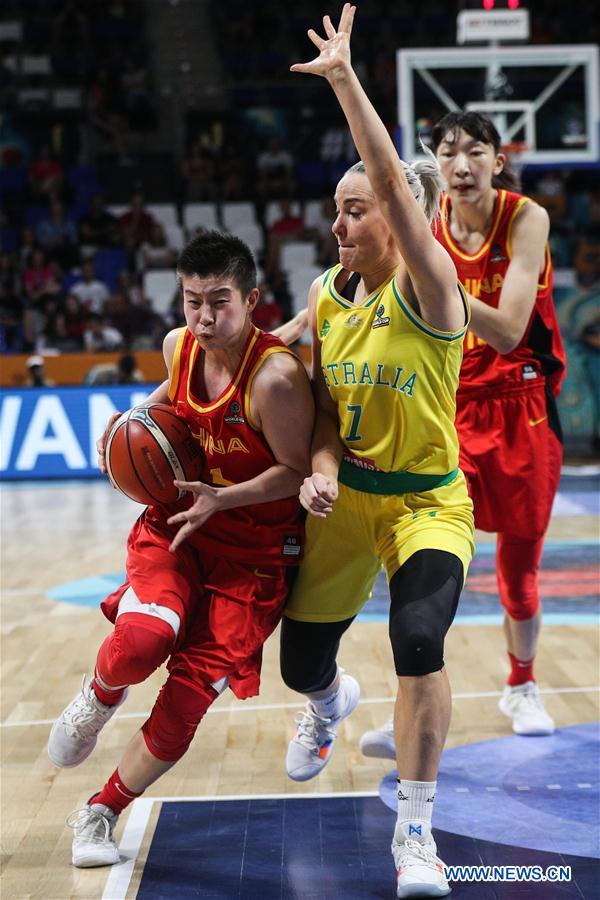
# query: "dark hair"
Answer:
x=127 y=364
x=482 y=129
x=221 y=254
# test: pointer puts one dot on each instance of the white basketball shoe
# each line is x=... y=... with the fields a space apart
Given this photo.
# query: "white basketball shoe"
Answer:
x=524 y=705
x=380 y=742
x=420 y=872
x=75 y=732
x=93 y=841
x=311 y=747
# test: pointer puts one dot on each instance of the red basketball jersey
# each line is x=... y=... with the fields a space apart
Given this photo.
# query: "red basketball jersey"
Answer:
x=234 y=450
x=540 y=351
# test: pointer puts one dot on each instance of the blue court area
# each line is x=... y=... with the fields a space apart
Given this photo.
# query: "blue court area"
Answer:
x=534 y=793
x=320 y=848
x=568 y=577
x=568 y=583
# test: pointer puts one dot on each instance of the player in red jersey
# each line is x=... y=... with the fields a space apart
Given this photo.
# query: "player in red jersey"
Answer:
x=206 y=577
x=513 y=367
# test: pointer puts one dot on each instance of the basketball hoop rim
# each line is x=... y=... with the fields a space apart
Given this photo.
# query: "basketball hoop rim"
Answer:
x=515 y=148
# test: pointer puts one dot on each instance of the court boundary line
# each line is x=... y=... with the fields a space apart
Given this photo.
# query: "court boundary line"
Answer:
x=119 y=878
x=265 y=707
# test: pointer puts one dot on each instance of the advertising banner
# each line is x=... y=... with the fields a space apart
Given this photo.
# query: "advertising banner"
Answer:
x=52 y=432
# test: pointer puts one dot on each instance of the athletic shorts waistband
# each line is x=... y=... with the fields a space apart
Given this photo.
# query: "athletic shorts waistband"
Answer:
x=373 y=482
x=497 y=391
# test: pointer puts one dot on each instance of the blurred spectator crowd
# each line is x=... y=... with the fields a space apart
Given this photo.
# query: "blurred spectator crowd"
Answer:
x=81 y=270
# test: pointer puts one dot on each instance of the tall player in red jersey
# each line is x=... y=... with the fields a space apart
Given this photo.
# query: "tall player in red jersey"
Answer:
x=513 y=366
x=206 y=577
x=512 y=370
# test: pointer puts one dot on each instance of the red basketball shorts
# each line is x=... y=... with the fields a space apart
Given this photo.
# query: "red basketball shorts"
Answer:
x=511 y=454
x=227 y=609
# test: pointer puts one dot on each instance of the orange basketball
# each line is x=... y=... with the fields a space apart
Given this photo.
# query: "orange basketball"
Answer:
x=146 y=449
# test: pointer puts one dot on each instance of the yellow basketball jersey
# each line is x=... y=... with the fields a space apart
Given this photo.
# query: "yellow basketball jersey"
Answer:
x=393 y=378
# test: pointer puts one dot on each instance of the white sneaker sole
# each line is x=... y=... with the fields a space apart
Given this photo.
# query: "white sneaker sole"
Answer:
x=422 y=890
x=91 y=860
x=527 y=731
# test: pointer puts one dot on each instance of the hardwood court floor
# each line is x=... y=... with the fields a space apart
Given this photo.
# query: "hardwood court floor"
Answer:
x=64 y=532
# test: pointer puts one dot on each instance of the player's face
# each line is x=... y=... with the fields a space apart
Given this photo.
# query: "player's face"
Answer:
x=215 y=310
x=468 y=166
x=363 y=236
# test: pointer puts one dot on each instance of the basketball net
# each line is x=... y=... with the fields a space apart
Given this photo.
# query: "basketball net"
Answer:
x=515 y=152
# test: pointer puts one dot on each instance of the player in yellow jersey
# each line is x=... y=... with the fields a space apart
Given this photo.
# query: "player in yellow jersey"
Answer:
x=387 y=325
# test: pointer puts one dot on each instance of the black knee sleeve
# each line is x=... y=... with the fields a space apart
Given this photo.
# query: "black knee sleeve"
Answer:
x=424 y=597
x=307 y=653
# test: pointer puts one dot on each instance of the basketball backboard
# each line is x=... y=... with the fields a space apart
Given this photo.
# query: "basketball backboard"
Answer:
x=545 y=96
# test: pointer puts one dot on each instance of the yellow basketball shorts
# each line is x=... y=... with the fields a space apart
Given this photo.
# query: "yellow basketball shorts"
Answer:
x=345 y=551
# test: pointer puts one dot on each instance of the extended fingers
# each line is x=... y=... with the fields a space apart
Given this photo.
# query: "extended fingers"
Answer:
x=192 y=486
x=177 y=518
x=317 y=40
x=328 y=25
x=180 y=536
x=347 y=18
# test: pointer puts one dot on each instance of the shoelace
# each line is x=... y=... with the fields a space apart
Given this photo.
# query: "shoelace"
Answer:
x=530 y=698
x=404 y=854
x=84 y=718
x=311 y=728
x=96 y=828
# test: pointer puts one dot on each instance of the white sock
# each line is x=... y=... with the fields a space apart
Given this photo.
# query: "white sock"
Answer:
x=329 y=702
x=415 y=806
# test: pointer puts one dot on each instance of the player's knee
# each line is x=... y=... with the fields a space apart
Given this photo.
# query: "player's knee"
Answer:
x=424 y=597
x=521 y=602
x=302 y=669
x=138 y=645
x=307 y=680
x=173 y=722
x=518 y=563
x=418 y=647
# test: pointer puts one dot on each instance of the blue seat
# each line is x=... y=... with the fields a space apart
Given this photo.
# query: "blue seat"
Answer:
x=82 y=176
x=312 y=175
x=108 y=265
x=69 y=280
x=35 y=214
x=12 y=180
x=9 y=239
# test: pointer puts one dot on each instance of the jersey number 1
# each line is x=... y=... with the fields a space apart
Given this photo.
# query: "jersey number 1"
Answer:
x=356 y=410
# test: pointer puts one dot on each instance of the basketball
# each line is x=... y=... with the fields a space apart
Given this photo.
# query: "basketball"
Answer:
x=147 y=448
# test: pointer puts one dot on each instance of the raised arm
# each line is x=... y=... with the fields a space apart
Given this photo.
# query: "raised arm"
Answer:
x=504 y=326
x=430 y=268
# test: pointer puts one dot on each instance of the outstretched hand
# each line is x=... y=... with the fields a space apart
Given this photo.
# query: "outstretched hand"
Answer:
x=206 y=503
x=334 y=50
x=101 y=442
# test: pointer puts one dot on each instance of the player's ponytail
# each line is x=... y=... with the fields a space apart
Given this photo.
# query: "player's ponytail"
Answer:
x=425 y=181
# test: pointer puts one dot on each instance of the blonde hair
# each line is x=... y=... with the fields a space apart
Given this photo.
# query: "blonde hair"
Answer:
x=424 y=179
